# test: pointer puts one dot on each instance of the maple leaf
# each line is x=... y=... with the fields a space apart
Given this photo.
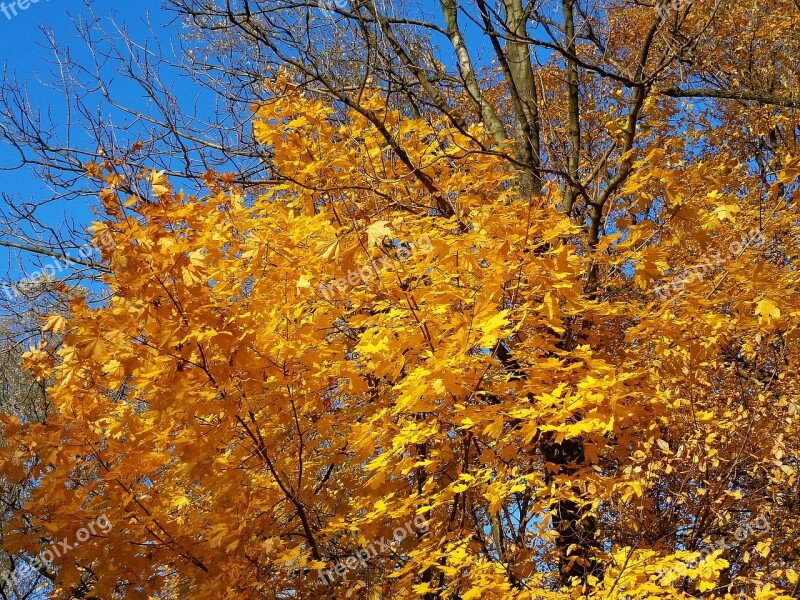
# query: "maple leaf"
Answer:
x=766 y=310
x=55 y=323
x=727 y=211
x=377 y=232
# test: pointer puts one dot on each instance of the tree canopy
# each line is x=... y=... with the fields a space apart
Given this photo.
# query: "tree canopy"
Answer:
x=437 y=325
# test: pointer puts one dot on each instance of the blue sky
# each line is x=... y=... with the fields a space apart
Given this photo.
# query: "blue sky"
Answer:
x=23 y=52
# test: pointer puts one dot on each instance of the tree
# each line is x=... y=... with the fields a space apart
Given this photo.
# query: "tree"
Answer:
x=561 y=325
x=23 y=396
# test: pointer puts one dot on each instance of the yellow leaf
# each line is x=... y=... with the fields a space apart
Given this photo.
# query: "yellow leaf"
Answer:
x=763 y=548
x=766 y=310
x=55 y=323
x=377 y=232
x=727 y=211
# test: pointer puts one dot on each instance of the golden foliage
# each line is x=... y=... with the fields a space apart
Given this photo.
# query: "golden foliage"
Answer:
x=246 y=423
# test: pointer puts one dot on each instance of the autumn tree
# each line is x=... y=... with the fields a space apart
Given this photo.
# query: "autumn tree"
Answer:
x=526 y=270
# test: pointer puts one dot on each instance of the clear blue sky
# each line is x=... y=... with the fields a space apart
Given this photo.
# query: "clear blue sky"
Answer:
x=24 y=52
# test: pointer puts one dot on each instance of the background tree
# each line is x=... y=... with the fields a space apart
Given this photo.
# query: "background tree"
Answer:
x=23 y=397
